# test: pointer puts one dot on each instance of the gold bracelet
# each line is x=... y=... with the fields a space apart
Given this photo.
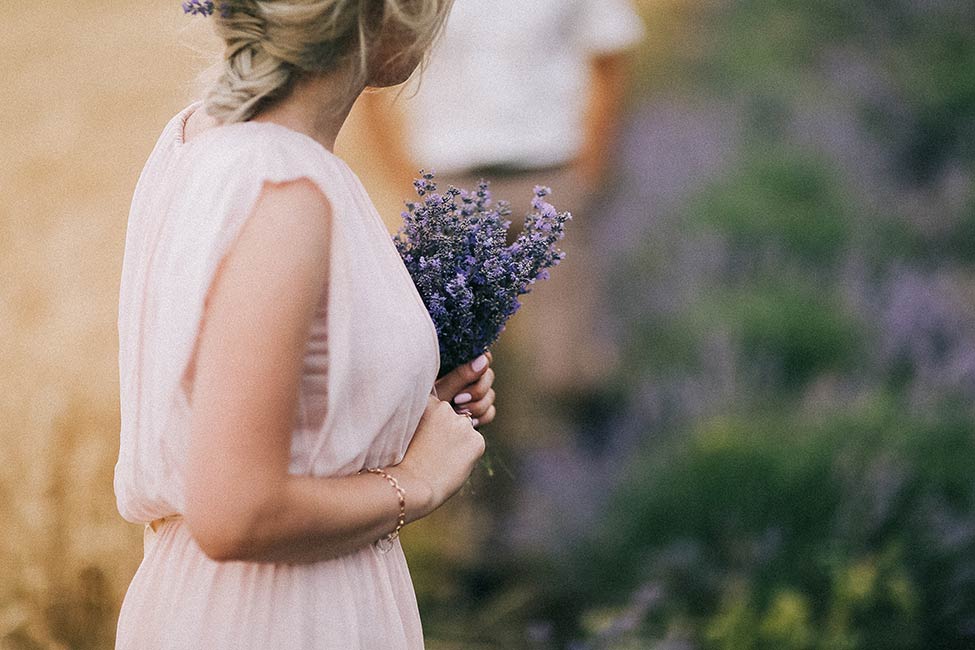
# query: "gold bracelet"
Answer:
x=401 y=493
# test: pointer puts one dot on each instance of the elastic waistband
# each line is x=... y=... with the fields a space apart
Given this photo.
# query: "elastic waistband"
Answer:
x=156 y=523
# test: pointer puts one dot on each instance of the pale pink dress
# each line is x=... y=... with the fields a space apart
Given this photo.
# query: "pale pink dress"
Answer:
x=370 y=362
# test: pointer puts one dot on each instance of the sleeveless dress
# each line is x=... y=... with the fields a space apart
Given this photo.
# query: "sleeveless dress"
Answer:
x=370 y=362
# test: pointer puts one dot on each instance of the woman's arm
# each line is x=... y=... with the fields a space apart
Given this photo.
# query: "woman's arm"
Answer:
x=241 y=503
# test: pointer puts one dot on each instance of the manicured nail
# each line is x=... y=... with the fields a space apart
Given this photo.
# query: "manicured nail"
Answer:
x=479 y=363
x=462 y=398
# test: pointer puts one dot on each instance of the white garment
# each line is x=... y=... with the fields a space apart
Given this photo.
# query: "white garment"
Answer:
x=507 y=81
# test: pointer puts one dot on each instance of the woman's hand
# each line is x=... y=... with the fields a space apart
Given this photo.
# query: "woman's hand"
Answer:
x=446 y=446
x=468 y=388
x=441 y=456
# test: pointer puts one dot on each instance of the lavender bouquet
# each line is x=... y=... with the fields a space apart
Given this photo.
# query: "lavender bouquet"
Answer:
x=454 y=245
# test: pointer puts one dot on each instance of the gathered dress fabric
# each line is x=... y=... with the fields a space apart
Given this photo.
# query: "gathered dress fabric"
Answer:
x=370 y=362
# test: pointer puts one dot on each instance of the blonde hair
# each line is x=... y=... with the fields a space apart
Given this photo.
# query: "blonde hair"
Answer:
x=270 y=43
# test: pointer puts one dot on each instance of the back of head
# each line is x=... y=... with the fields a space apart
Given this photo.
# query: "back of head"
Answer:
x=271 y=43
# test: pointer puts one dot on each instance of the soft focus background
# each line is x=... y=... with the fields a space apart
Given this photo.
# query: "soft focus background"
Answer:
x=784 y=460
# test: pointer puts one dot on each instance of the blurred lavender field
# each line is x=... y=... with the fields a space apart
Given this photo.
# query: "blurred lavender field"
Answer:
x=785 y=459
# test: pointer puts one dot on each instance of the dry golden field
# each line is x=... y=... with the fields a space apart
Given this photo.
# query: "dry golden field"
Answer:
x=87 y=88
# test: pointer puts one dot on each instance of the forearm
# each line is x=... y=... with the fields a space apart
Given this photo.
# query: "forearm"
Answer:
x=602 y=116
x=320 y=518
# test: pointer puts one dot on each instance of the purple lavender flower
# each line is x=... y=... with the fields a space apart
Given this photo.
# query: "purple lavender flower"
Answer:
x=454 y=245
x=198 y=7
x=207 y=7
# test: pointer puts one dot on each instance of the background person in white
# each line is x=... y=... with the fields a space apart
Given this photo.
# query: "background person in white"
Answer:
x=529 y=85
x=525 y=93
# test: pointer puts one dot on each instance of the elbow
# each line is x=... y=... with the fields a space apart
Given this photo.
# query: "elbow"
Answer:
x=218 y=542
x=227 y=528
x=216 y=546
x=217 y=533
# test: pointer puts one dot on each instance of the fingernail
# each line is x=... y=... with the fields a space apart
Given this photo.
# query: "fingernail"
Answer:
x=479 y=363
x=462 y=398
x=474 y=422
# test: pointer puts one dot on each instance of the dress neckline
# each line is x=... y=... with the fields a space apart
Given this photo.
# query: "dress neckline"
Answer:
x=188 y=111
x=184 y=116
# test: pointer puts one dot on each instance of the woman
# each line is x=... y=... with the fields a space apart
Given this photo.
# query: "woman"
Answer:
x=273 y=348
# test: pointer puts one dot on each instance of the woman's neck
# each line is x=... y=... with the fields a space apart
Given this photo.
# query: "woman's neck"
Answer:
x=312 y=107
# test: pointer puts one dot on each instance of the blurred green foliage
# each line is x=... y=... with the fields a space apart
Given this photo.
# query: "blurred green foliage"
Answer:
x=771 y=531
x=779 y=199
x=800 y=331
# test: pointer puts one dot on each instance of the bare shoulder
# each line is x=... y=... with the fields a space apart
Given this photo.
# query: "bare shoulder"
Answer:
x=280 y=256
x=289 y=226
x=297 y=200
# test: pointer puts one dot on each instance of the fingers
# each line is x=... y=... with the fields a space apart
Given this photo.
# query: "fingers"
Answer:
x=475 y=391
x=466 y=414
x=487 y=417
x=454 y=381
x=469 y=390
x=480 y=408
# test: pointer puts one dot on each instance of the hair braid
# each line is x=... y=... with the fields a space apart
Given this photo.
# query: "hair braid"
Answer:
x=251 y=74
x=270 y=43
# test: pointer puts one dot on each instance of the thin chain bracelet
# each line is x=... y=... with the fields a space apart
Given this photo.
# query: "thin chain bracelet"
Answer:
x=401 y=520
